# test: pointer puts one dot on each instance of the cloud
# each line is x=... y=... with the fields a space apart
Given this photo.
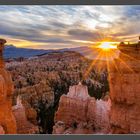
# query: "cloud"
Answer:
x=64 y=25
x=84 y=34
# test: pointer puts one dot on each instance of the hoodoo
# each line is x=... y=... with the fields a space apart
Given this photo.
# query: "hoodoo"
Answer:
x=24 y=126
x=7 y=120
x=78 y=113
x=124 y=79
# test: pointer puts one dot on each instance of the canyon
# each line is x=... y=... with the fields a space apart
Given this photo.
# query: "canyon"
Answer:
x=41 y=81
x=119 y=115
x=41 y=94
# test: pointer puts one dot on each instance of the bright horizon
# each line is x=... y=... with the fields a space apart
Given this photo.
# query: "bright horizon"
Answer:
x=57 y=27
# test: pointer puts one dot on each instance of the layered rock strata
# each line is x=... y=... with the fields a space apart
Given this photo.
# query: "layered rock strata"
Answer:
x=124 y=79
x=78 y=113
x=7 y=120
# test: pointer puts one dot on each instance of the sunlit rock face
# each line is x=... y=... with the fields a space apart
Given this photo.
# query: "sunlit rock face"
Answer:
x=2 y=130
x=24 y=126
x=78 y=91
x=125 y=91
x=7 y=120
x=78 y=113
x=102 y=116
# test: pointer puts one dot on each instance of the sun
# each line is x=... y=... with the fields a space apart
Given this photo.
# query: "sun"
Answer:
x=107 y=46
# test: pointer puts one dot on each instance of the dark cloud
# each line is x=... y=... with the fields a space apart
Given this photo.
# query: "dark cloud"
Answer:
x=92 y=15
x=21 y=33
x=31 y=35
x=58 y=24
x=52 y=40
x=84 y=34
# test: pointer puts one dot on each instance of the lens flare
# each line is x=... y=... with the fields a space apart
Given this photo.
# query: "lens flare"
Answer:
x=107 y=46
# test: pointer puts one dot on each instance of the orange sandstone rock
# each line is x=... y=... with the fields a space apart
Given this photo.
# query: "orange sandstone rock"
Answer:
x=24 y=126
x=1 y=130
x=7 y=120
x=125 y=91
x=78 y=113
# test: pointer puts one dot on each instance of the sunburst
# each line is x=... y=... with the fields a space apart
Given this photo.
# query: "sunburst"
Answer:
x=107 y=51
x=107 y=46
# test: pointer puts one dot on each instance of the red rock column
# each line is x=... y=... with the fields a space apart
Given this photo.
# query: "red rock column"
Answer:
x=7 y=120
x=2 y=42
x=124 y=79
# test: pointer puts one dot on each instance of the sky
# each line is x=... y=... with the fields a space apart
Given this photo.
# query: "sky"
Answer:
x=56 y=27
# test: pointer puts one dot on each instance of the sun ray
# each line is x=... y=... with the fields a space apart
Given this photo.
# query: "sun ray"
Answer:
x=125 y=64
x=130 y=57
x=106 y=51
x=114 y=63
x=91 y=66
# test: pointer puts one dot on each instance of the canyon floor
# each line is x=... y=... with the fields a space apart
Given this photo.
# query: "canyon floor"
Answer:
x=39 y=83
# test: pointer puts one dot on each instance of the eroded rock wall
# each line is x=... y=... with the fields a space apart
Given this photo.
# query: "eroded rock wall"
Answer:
x=124 y=79
x=7 y=120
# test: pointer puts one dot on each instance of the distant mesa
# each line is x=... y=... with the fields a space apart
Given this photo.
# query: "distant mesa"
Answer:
x=14 y=52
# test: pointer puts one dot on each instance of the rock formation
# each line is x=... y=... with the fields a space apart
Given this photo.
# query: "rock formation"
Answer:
x=124 y=79
x=78 y=113
x=7 y=120
x=2 y=130
x=40 y=82
x=24 y=126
